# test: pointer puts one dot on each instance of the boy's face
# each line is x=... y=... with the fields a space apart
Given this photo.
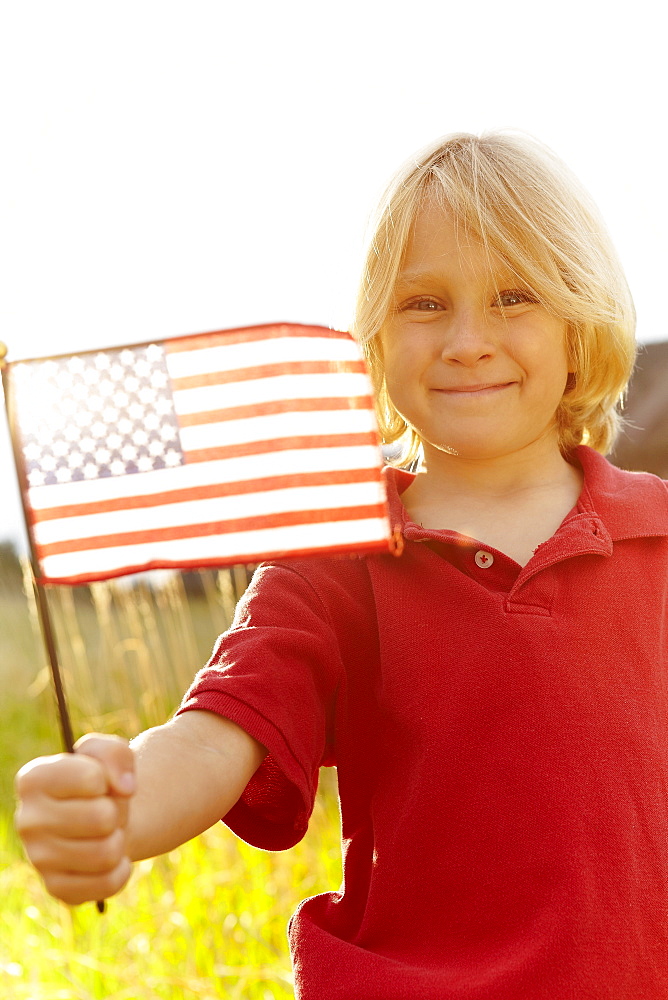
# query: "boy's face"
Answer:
x=473 y=370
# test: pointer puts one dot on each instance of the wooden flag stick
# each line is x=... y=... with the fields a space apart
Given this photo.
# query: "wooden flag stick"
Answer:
x=43 y=612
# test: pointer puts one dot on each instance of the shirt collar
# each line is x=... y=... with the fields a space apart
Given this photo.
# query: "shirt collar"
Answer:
x=624 y=504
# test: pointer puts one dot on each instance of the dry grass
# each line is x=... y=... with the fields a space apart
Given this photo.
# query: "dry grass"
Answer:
x=208 y=920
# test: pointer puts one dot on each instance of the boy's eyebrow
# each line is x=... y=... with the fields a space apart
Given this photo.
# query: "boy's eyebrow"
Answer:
x=418 y=277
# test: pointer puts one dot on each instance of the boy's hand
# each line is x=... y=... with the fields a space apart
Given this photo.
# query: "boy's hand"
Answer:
x=72 y=815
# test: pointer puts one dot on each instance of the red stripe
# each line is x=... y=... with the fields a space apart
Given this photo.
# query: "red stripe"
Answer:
x=275 y=406
x=247 y=334
x=282 y=444
x=241 y=558
x=269 y=371
x=208 y=492
x=264 y=521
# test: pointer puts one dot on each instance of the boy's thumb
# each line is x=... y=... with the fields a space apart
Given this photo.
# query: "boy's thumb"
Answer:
x=116 y=757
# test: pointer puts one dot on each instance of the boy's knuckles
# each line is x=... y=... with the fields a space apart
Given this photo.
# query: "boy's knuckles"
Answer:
x=101 y=817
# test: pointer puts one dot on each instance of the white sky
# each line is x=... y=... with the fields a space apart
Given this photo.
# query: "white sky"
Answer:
x=170 y=167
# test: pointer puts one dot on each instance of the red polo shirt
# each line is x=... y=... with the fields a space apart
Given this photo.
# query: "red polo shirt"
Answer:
x=501 y=738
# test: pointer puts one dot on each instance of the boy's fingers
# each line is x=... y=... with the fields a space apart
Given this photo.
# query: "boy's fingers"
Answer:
x=116 y=757
x=62 y=776
x=74 y=888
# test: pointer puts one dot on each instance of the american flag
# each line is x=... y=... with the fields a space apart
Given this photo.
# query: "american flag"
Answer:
x=206 y=450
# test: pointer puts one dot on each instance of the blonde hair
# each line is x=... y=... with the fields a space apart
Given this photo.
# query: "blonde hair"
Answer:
x=523 y=203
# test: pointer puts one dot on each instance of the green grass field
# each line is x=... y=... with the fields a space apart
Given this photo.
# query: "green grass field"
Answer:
x=208 y=920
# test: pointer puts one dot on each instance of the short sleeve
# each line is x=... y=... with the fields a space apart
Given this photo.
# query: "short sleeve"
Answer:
x=275 y=673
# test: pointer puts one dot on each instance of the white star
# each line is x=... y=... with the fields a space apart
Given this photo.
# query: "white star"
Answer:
x=144 y=464
x=167 y=432
x=136 y=411
x=32 y=452
x=102 y=456
x=152 y=421
x=153 y=352
x=143 y=369
x=98 y=429
x=172 y=458
x=48 y=463
x=91 y=376
x=36 y=478
x=117 y=372
x=120 y=399
x=110 y=415
x=158 y=379
x=106 y=387
x=156 y=448
x=79 y=391
x=124 y=425
x=71 y=432
x=63 y=475
x=163 y=406
x=146 y=395
x=128 y=453
x=75 y=365
x=95 y=403
x=64 y=380
x=83 y=418
x=117 y=468
x=140 y=437
x=90 y=470
x=87 y=443
x=127 y=357
x=115 y=441
x=60 y=448
x=130 y=383
x=102 y=362
x=75 y=460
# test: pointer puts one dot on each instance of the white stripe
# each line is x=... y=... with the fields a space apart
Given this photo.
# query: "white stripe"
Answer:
x=279 y=425
x=209 y=511
x=232 y=357
x=231 y=470
x=262 y=390
x=225 y=549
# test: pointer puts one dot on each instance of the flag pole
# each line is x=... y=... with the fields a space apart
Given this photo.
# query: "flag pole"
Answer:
x=43 y=612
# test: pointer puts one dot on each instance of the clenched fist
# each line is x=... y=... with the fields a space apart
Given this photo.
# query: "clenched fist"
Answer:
x=72 y=817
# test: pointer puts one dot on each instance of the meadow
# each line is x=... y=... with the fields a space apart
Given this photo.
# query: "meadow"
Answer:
x=207 y=920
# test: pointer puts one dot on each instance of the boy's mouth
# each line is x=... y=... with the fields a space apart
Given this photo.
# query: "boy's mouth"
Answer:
x=479 y=389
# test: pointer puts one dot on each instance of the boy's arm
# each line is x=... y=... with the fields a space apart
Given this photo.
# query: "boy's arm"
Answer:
x=84 y=817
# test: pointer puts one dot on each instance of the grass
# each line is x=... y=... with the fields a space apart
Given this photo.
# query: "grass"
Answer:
x=209 y=919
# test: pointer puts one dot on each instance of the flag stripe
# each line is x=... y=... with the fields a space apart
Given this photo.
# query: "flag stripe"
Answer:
x=271 y=428
x=275 y=407
x=258 y=372
x=215 y=397
x=366 y=535
x=207 y=492
x=285 y=519
x=282 y=444
x=247 y=335
x=232 y=357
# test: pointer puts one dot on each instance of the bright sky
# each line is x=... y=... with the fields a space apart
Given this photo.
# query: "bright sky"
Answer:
x=172 y=166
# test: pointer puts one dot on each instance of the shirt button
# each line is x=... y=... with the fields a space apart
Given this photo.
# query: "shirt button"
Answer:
x=483 y=559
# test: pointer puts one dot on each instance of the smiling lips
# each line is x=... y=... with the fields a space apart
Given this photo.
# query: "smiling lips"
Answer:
x=456 y=390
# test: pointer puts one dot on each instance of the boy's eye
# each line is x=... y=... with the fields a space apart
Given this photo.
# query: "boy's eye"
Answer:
x=423 y=305
x=514 y=297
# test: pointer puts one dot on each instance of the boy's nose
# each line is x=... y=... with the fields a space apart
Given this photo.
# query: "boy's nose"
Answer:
x=468 y=341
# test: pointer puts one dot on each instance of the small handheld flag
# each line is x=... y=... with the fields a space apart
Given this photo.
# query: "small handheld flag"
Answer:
x=206 y=450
